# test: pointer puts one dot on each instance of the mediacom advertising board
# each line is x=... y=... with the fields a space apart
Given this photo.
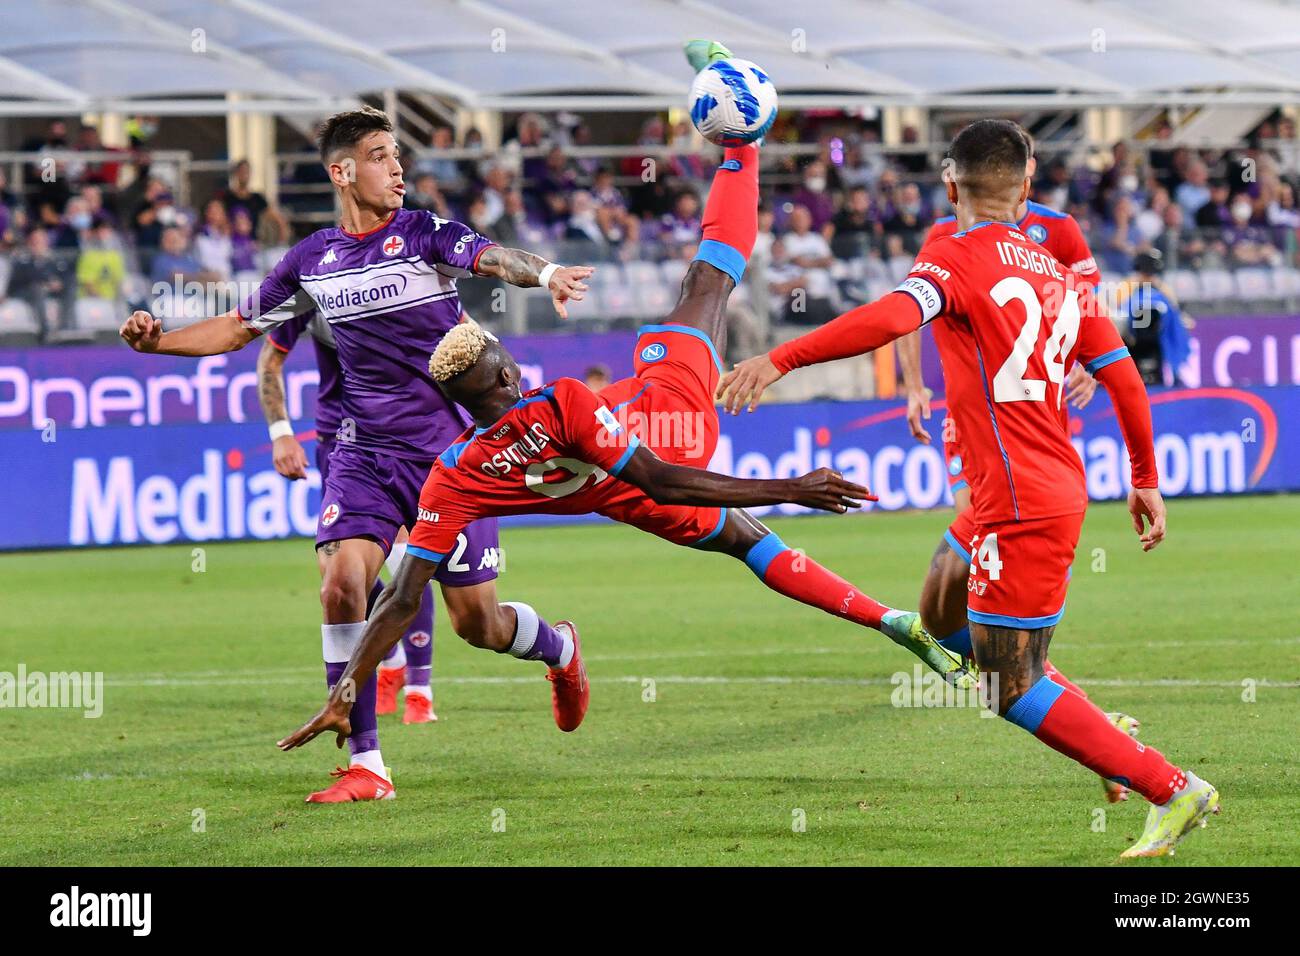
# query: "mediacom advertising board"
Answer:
x=103 y=447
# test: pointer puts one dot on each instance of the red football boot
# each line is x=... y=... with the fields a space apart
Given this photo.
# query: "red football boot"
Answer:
x=355 y=783
x=419 y=710
x=391 y=680
x=570 y=691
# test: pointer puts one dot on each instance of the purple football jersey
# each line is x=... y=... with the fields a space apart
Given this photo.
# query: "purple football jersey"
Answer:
x=329 y=393
x=389 y=296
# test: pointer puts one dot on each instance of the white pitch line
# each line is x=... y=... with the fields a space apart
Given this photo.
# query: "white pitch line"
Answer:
x=681 y=679
x=727 y=654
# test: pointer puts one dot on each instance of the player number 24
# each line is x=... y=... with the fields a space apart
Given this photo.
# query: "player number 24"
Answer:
x=1010 y=384
x=986 y=557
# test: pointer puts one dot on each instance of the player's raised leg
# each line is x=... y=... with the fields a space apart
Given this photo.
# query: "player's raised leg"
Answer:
x=797 y=576
x=730 y=226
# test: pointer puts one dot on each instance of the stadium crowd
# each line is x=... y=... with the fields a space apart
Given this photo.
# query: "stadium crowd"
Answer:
x=835 y=226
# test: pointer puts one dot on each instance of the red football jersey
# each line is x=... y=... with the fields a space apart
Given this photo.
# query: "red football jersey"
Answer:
x=1011 y=322
x=1057 y=232
x=554 y=452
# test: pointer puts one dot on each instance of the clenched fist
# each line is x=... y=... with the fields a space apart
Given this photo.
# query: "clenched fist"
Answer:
x=141 y=331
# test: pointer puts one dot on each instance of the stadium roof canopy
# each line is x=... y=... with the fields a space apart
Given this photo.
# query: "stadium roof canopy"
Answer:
x=312 y=56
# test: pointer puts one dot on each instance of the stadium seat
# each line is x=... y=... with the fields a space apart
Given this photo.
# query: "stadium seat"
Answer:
x=899 y=266
x=17 y=319
x=1186 y=285
x=674 y=270
x=1217 y=284
x=99 y=315
x=6 y=270
x=1286 y=282
x=1254 y=284
x=268 y=257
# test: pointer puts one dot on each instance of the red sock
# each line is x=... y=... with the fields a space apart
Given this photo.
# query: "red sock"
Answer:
x=731 y=212
x=1071 y=725
x=798 y=576
x=1050 y=670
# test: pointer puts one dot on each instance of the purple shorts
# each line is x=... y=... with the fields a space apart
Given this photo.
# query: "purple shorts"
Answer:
x=372 y=495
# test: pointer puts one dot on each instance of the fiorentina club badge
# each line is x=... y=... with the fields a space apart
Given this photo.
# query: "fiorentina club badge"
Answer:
x=330 y=515
x=393 y=245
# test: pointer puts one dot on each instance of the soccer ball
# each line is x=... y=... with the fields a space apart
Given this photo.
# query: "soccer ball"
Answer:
x=733 y=102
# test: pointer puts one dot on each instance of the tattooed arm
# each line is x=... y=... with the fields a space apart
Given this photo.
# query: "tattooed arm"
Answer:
x=526 y=270
x=286 y=452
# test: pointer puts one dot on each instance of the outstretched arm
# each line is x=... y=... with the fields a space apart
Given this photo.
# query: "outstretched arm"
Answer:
x=856 y=332
x=222 y=333
x=670 y=484
x=384 y=628
x=529 y=271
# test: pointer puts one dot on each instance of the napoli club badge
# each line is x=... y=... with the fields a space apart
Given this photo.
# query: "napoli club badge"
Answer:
x=330 y=514
x=393 y=245
x=1037 y=232
x=653 y=352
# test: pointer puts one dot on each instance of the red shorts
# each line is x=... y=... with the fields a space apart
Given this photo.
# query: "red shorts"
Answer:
x=1020 y=571
x=668 y=405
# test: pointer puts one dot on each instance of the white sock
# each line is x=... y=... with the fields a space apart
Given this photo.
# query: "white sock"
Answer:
x=372 y=761
x=566 y=655
x=424 y=691
x=394 y=559
x=526 y=626
x=397 y=660
x=338 y=641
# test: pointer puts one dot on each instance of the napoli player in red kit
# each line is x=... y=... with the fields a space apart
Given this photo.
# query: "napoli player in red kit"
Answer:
x=563 y=449
x=1010 y=321
x=943 y=593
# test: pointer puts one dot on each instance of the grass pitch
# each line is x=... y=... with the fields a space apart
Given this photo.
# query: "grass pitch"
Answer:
x=727 y=725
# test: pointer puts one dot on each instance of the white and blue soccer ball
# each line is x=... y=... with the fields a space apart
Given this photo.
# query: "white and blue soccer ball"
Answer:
x=733 y=102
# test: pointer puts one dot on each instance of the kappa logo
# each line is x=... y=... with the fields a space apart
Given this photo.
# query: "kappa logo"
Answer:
x=328 y=258
x=393 y=245
x=330 y=514
x=653 y=352
x=1037 y=232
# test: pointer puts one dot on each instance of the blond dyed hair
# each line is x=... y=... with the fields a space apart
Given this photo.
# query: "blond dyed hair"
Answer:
x=459 y=349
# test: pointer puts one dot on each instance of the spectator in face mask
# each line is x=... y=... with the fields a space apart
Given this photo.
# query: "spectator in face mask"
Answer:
x=906 y=222
x=1249 y=242
x=1215 y=213
x=814 y=195
x=77 y=220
